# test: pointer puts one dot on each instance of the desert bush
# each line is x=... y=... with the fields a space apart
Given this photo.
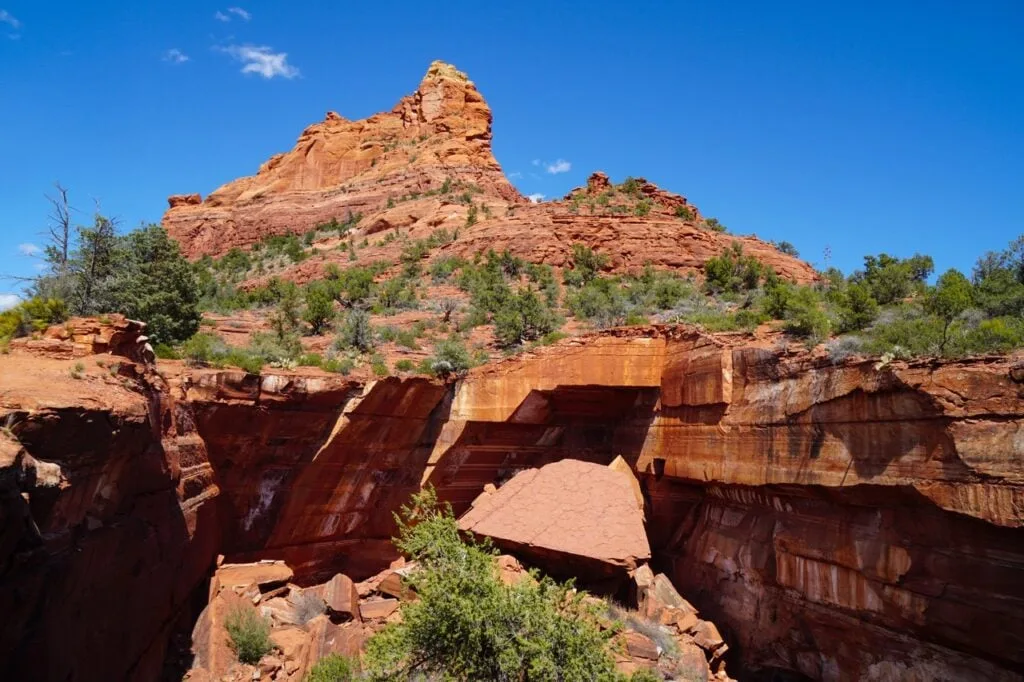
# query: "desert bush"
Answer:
x=684 y=212
x=249 y=633
x=33 y=315
x=844 y=347
x=468 y=625
x=714 y=225
x=523 y=317
x=890 y=279
x=405 y=365
x=805 y=316
x=333 y=668
x=443 y=267
x=355 y=332
x=310 y=360
x=319 y=311
x=379 y=366
x=905 y=331
x=599 y=300
x=343 y=366
x=586 y=264
x=732 y=270
x=786 y=248
x=948 y=299
x=450 y=357
x=855 y=307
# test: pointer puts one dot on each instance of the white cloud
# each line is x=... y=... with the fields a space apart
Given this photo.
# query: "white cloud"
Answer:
x=28 y=249
x=535 y=198
x=175 y=56
x=8 y=301
x=515 y=175
x=12 y=21
x=9 y=19
x=559 y=166
x=226 y=16
x=262 y=60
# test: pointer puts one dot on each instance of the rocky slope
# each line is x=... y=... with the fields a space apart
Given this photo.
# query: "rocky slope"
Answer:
x=426 y=165
x=849 y=521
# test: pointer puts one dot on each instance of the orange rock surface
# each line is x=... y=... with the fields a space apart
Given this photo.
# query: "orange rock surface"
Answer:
x=441 y=131
x=843 y=520
x=571 y=518
x=392 y=167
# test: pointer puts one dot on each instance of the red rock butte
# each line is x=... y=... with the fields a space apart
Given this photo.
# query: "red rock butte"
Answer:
x=440 y=136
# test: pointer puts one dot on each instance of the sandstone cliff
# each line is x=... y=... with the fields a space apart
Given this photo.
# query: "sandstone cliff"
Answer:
x=441 y=131
x=413 y=169
x=849 y=521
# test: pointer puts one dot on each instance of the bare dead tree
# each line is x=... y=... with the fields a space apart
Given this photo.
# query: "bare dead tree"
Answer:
x=58 y=233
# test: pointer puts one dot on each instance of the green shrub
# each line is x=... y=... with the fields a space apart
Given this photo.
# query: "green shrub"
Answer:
x=355 y=332
x=249 y=633
x=33 y=315
x=379 y=366
x=442 y=268
x=905 y=331
x=996 y=335
x=450 y=357
x=468 y=625
x=404 y=365
x=600 y=301
x=657 y=290
x=524 y=317
x=343 y=366
x=732 y=270
x=395 y=294
x=202 y=348
x=786 y=248
x=805 y=316
x=685 y=212
x=891 y=279
x=333 y=668
x=586 y=264
x=951 y=296
x=713 y=319
x=310 y=360
x=714 y=225
x=543 y=276
x=856 y=308
x=319 y=308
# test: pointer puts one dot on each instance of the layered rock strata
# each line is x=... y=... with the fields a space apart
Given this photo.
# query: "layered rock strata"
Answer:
x=428 y=165
x=843 y=521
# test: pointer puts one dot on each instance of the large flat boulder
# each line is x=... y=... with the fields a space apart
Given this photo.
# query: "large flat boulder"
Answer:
x=568 y=518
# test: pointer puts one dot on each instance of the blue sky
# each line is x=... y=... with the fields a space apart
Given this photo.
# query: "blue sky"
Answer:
x=853 y=127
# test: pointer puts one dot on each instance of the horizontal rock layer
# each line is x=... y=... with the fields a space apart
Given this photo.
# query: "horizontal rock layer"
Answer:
x=427 y=165
x=846 y=521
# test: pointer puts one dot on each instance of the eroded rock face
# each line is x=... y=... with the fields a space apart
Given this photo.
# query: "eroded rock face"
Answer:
x=441 y=131
x=847 y=521
x=570 y=518
x=420 y=168
x=108 y=517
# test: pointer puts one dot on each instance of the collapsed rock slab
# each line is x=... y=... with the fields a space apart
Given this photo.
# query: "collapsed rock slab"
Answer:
x=567 y=517
x=264 y=574
x=341 y=596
